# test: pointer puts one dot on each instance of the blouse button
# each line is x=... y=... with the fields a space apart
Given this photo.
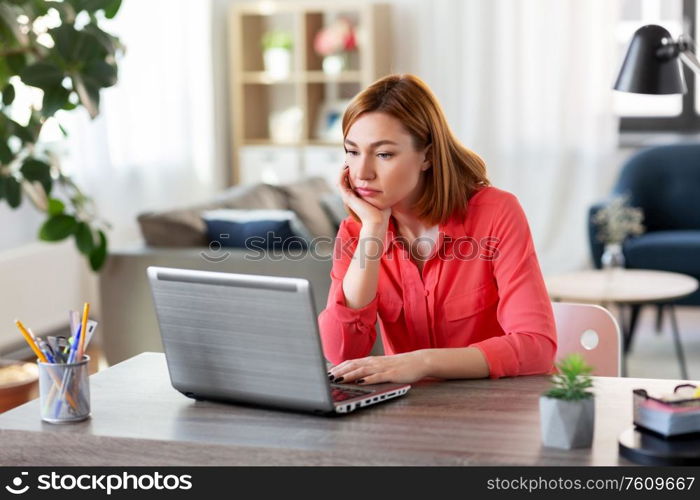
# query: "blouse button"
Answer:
x=427 y=293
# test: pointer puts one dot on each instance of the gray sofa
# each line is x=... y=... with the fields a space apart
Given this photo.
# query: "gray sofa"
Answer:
x=177 y=238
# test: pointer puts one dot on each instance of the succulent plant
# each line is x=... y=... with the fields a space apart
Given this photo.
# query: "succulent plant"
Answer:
x=573 y=380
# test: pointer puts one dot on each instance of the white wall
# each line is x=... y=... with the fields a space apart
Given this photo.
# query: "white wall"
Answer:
x=40 y=283
x=19 y=226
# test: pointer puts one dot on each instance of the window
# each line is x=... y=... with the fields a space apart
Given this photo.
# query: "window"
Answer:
x=640 y=112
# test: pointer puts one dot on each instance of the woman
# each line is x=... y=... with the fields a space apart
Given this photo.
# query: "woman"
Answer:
x=444 y=259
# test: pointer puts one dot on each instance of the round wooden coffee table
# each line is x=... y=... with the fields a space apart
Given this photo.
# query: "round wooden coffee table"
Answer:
x=626 y=287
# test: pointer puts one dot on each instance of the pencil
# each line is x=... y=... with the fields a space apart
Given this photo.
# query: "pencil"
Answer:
x=43 y=359
x=30 y=341
x=83 y=329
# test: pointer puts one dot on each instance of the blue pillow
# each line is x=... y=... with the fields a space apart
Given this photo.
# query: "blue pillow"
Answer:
x=256 y=229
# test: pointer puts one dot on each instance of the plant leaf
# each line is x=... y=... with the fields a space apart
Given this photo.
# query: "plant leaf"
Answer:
x=57 y=227
x=6 y=155
x=75 y=47
x=37 y=170
x=99 y=255
x=91 y=5
x=99 y=74
x=55 y=207
x=83 y=238
x=13 y=192
x=43 y=75
x=112 y=9
x=8 y=94
x=109 y=42
x=572 y=380
x=16 y=62
x=55 y=98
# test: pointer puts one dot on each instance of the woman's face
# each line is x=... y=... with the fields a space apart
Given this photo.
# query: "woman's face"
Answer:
x=381 y=157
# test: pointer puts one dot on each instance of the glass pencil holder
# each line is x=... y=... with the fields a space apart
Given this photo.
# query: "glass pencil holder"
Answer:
x=64 y=391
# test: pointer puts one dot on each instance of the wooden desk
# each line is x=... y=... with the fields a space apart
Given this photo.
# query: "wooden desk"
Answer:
x=139 y=419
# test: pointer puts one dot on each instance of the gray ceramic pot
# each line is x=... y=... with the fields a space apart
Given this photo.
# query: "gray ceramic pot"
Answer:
x=567 y=424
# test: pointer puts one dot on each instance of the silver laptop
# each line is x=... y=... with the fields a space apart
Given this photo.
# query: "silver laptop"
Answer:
x=251 y=339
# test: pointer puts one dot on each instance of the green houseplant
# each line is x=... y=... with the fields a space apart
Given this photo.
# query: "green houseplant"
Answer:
x=567 y=409
x=277 y=53
x=59 y=48
x=277 y=39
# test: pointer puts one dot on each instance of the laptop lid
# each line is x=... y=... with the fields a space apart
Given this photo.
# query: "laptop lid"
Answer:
x=239 y=337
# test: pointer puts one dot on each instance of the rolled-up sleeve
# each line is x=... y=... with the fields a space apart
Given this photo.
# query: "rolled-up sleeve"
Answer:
x=524 y=310
x=346 y=333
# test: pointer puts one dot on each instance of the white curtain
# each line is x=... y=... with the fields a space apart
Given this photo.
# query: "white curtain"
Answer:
x=524 y=83
x=154 y=144
x=527 y=84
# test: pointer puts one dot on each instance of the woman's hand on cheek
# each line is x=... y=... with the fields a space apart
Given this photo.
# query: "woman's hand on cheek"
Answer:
x=368 y=213
x=399 y=368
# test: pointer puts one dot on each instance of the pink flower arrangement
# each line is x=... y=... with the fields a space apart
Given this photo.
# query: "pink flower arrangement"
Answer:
x=337 y=37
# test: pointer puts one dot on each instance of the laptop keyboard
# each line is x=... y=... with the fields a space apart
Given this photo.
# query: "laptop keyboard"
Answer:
x=341 y=394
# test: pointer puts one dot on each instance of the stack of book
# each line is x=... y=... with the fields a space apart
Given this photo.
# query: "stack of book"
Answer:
x=671 y=414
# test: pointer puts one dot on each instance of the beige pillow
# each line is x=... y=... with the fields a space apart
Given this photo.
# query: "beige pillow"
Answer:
x=304 y=198
x=255 y=196
x=174 y=228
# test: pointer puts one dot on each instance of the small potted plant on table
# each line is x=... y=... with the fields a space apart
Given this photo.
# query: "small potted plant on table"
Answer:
x=567 y=409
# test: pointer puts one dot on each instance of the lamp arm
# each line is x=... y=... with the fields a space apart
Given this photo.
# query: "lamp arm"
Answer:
x=682 y=48
x=686 y=52
x=689 y=58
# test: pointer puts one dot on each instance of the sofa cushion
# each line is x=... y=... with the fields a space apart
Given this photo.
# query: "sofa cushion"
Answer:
x=675 y=251
x=253 y=196
x=304 y=198
x=266 y=229
x=333 y=205
x=184 y=227
x=174 y=228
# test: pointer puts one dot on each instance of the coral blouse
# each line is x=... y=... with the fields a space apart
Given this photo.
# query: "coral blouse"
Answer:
x=481 y=287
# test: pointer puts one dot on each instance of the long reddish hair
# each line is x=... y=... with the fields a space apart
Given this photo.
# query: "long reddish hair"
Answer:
x=456 y=171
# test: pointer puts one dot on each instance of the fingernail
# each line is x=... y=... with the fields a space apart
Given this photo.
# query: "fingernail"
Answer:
x=339 y=379
x=361 y=381
x=330 y=377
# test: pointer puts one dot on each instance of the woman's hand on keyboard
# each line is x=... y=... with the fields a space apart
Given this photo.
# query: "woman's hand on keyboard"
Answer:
x=401 y=368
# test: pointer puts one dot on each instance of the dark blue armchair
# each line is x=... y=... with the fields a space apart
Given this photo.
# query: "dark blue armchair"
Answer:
x=665 y=182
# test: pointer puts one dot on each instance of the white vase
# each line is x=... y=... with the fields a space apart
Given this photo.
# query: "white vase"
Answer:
x=278 y=62
x=334 y=64
x=567 y=424
x=612 y=257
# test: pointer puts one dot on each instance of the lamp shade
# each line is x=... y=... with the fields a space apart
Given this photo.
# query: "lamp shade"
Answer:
x=644 y=71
